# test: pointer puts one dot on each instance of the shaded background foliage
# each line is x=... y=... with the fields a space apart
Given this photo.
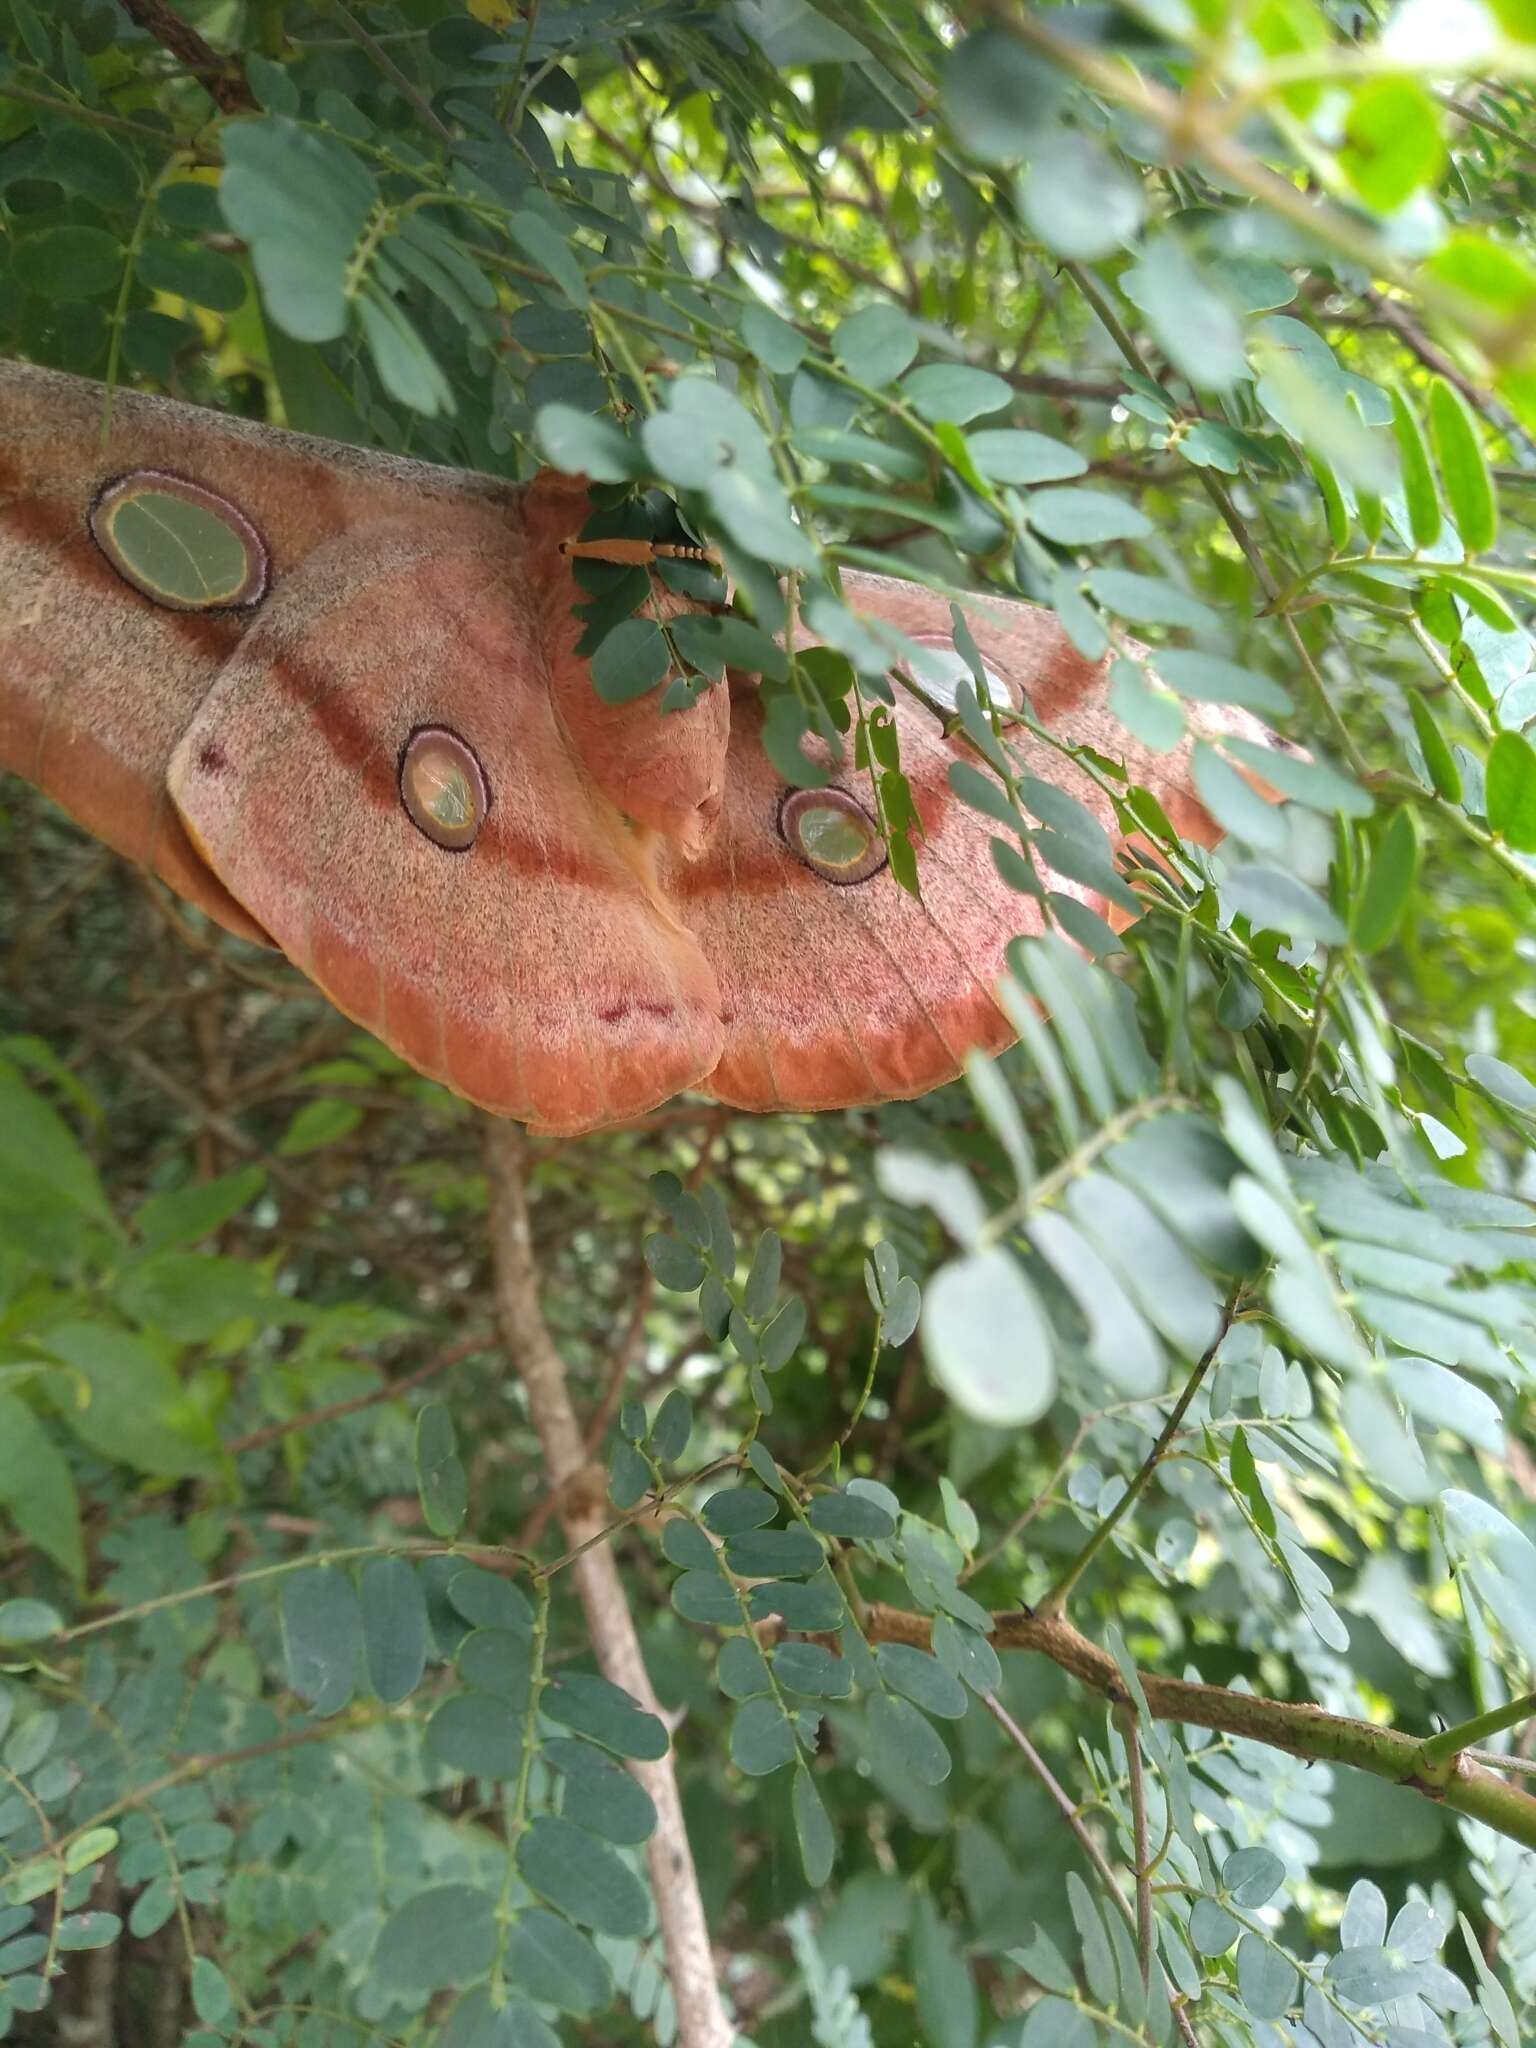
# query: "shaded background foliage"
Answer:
x=957 y=293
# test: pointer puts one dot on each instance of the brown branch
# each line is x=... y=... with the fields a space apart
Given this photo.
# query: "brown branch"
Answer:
x=701 y=2015
x=224 y=77
x=1294 y=1726
x=1066 y=1806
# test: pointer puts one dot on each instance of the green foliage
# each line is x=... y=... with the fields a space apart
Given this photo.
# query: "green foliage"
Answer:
x=1207 y=1314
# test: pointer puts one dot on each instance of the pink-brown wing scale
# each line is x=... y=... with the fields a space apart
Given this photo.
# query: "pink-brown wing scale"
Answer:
x=97 y=682
x=835 y=994
x=838 y=994
x=537 y=973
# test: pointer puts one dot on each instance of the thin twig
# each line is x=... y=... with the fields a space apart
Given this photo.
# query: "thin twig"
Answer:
x=1067 y=1808
x=1146 y=1926
x=223 y=77
x=392 y=71
x=1055 y=1601
x=391 y=1390
x=701 y=2015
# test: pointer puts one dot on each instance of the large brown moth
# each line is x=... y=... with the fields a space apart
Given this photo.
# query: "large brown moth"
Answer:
x=333 y=699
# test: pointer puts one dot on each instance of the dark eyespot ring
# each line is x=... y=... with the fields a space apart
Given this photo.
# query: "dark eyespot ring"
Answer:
x=178 y=544
x=947 y=668
x=833 y=834
x=443 y=788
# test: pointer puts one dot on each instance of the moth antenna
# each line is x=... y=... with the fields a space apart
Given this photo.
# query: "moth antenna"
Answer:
x=634 y=552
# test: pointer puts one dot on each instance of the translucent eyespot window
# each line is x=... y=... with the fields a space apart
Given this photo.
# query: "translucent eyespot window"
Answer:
x=442 y=787
x=944 y=668
x=833 y=834
x=178 y=544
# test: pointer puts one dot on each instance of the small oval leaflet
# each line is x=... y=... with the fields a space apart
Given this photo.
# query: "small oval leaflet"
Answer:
x=583 y=1877
x=178 y=544
x=606 y=1713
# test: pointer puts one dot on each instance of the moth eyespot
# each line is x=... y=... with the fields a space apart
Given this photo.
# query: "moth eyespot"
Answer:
x=833 y=834
x=180 y=545
x=443 y=788
x=944 y=668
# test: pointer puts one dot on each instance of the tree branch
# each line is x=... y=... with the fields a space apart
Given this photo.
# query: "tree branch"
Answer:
x=1294 y=1726
x=701 y=2016
x=223 y=77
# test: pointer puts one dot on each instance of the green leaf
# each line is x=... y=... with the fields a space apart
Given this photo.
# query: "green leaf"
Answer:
x=204 y=276
x=774 y=1553
x=322 y=1637
x=762 y=1740
x=478 y=1734
x=184 y=1215
x=1013 y=455
x=1236 y=805
x=1148 y=600
x=1511 y=790
x=1196 y=323
x=954 y=392
x=1121 y=1343
x=1276 y=902
x=672 y=1427
x=600 y=1795
x=1463 y=468
x=37 y=1488
x=442 y=1938
x=42 y=1167
x=486 y=1600
x=736 y=1508
x=947 y=2005
x=1439 y=761
x=811 y=1669
x=905 y=1742
x=394 y=1616
x=777 y=346
x=1502 y=1080
x=212 y=1999
x=317 y=1125
x=1251 y=1877
x=407 y=368
x=813 y=1828
x=1418 y=478
x=28 y=1621
x=556 y=1964
x=876 y=344
x=921 y=1678
x=1315 y=782
x=1081 y=518
x=1076 y=198
x=607 y=1713
x=675 y=1264
x=987 y=1341
x=68 y=262
x=1056 y=2023
x=544 y=245
x=1212 y=679
x=499 y=1661
x=996 y=95
x=1389 y=883
x=136 y=1410
x=584 y=1878
x=440 y=1477
x=1392 y=141
x=86 y=161
x=851 y=1515
x=585 y=444
x=191 y=1297
x=301 y=201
